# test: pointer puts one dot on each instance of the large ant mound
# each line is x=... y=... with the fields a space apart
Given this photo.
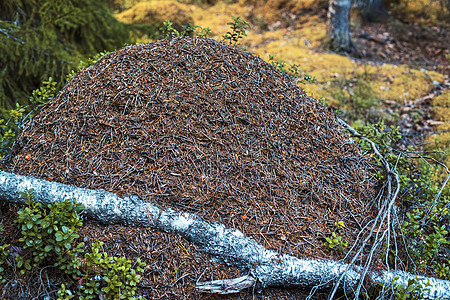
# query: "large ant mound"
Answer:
x=200 y=126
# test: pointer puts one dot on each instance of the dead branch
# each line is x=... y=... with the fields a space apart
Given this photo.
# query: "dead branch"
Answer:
x=227 y=286
x=230 y=245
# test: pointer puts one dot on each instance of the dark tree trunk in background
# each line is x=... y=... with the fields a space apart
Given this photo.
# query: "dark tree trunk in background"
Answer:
x=338 y=28
x=338 y=23
x=372 y=10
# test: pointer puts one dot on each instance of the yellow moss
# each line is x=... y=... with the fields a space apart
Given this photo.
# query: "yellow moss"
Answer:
x=441 y=107
x=292 y=6
x=423 y=11
x=441 y=140
x=285 y=11
x=216 y=17
x=156 y=12
x=442 y=113
x=312 y=29
x=121 y=5
x=290 y=46
x=401 y=83
x=443 y=100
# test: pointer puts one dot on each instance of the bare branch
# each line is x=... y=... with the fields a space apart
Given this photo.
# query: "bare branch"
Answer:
x=227 y=286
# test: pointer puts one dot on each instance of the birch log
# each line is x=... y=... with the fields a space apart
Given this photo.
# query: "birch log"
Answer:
x=230 y=245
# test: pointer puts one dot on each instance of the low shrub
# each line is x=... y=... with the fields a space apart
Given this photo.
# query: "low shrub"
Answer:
x=49 y=237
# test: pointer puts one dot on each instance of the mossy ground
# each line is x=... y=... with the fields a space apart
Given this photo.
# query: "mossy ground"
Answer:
x=154 y=13
x=424 y=12
x=440 y=141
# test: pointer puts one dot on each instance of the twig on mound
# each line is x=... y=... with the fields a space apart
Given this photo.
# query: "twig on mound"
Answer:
x=267 y=266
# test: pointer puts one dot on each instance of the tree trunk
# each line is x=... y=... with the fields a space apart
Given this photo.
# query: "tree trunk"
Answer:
x=338 y=23
x=372 y=10
x=338 y=28
x=230 y=245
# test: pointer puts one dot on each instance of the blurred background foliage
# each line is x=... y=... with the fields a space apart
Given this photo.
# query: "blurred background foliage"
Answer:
x=47 y=38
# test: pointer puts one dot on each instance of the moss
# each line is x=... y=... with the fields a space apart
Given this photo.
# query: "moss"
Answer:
x=284 y=11
x=442 y=102
x=216 y=17
x=442 y=113
x=402 y=83
x=154 y=13
x=121 y=5
x=441 y=140
x=423 y=12
x=398 y=83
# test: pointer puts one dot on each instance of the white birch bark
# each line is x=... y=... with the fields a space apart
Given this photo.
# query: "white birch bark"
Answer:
x=230 y=245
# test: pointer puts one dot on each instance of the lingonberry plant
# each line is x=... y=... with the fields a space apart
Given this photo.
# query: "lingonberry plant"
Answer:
x=49 y=237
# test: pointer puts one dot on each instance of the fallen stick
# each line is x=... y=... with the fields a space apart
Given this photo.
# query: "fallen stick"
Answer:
x=227 y=286
x=268 y=267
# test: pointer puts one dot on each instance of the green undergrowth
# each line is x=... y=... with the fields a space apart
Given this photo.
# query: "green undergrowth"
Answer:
x=414 y=290
x=15 y=119
x=356 y=99
x=48 y=237
x=424 y=199
x=335 y=242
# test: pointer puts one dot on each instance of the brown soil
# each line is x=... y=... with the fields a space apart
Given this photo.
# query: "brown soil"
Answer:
x=394 y=42
x=199 y=126
x=397 y=43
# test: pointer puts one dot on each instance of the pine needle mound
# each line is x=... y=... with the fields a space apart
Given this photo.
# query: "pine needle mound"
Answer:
x=203 y=127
